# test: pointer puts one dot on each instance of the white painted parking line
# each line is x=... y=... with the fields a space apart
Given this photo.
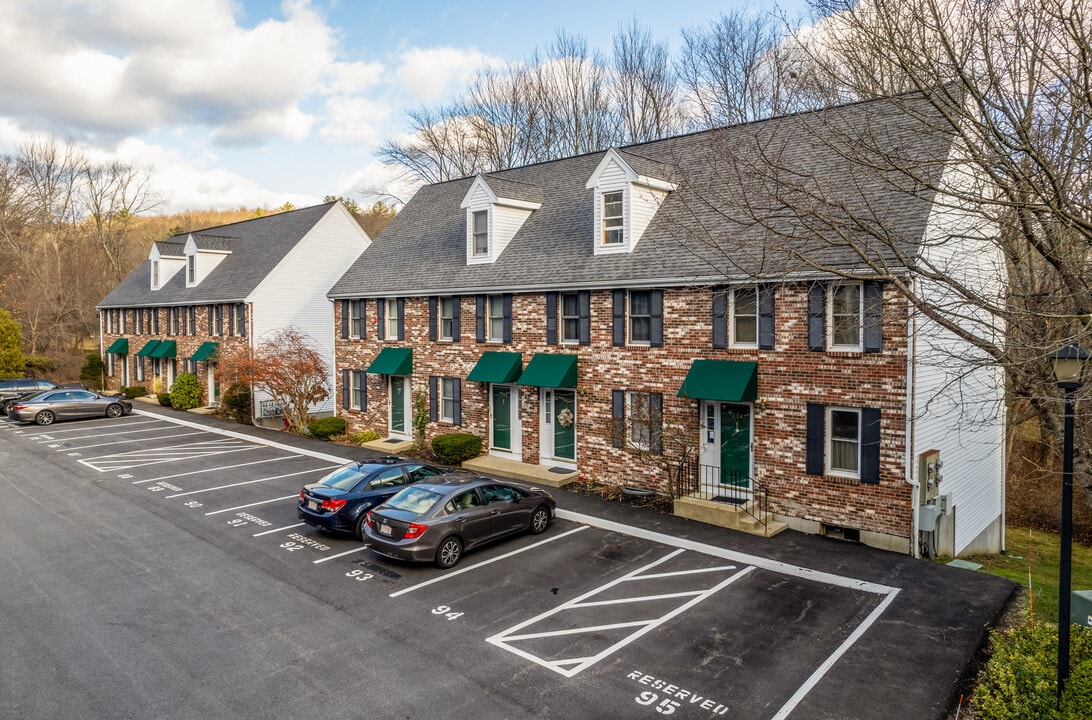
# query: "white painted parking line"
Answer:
x=570 y=666
x=133 y=459
x=53 y=430
x=214 y=469
x=456 y=573
x=251 y=482
x=277 y=530
x=119 y=442
x=362 y=548
x=101 y=434
x=254 y=504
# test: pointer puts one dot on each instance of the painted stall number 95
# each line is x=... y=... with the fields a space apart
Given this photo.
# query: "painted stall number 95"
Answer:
x=446 y=612
x=666 y=707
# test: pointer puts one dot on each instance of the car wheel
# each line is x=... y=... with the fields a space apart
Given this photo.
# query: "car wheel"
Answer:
x=5 y=408
x=113 y=410
x=45 y=417
x=358 y=528
x=451 y=549
x=540 y=520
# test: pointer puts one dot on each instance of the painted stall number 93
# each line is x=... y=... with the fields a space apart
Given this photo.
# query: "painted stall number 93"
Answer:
x=446 y=612
x=359 y=575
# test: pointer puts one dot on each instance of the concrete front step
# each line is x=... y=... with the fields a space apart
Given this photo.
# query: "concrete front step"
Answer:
x=525 y=472
x=394 y=446
x=727 y=515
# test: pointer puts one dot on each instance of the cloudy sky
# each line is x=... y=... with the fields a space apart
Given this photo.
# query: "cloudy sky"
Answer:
x=255 y=103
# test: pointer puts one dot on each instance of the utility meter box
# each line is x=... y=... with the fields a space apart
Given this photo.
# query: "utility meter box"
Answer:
x=927 y=518
x=1080 y=608
x=929 y=465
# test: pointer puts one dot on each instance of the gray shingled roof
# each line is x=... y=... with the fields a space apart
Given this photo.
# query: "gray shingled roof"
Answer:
x=512 y=190
x=256 y=247
x=705 y=231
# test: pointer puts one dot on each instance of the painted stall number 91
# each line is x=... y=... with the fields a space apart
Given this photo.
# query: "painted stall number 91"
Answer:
x=446 y=612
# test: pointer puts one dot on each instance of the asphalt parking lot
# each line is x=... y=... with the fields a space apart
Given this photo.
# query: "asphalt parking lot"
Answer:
x=164 y=552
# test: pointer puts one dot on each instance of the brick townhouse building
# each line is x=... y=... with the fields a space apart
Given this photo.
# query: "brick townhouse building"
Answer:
x=207 y=290
x=594 y=314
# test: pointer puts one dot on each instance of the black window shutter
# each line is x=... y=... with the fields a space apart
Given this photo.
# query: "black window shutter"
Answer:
x=479 y=317
x=656 y=422
x=583 y=305
x=765 y=317
x=432 y=386
x=816 y=440
x=656 y=336
x=344 y=319
x=551 y=318
x=401 y=303
x=363 y=312
x=362 y=383
x=506 y=302
x=618 y=418
x=817 y=318
x=208 y=311
x=457 y=396
x=381 y=319
x=870 y=445
x=618 y=317
x=432 y=320
x=873 y=317
x=345 y=389
x=720 y=318
x=456 y=318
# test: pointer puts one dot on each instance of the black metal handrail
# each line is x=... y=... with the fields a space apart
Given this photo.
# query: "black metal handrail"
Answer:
x=708 y=482
x=269 y=408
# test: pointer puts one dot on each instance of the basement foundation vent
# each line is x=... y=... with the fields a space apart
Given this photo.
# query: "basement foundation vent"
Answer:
x=840 y=533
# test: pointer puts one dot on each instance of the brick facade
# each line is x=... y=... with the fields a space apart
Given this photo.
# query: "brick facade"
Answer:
x=789 y=377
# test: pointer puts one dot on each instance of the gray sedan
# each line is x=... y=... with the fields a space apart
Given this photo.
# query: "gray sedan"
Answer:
x=65 y=404
x=436 y=522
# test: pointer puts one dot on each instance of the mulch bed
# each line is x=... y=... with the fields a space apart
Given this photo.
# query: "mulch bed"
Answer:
x=614 y=493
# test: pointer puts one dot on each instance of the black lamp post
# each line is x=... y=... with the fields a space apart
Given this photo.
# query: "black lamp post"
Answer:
x=1069 y=366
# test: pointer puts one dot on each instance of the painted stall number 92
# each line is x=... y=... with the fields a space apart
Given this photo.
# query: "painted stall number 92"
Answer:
x=446 y=612
x=666 y=707
x=359 y=575
x=290 y=546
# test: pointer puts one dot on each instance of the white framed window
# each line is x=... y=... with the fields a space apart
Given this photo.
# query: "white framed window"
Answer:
x=844 y=441
x=613 y=220
x=570 y=317
x=480 y=232
x=447 y=399
x=640 y=418
x=391 y=318
x=191 y=320
x=744 y=314
x=172 y=321
x=122 y=315
x=495 y=318
x=356 y=389
x=155 y=274
x=354 y=318
x=446 y=328
x=138 y=368
x=238 y=320
x=846 y=316
x=640 y=317
x=191 y=269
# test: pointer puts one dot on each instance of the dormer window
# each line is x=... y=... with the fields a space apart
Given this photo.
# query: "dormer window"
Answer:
x=191 y=270
x=481 y=233
x=613 y=220
x=155 y=274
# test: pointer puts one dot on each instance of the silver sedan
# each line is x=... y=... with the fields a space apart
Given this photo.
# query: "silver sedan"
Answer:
x=60 y=404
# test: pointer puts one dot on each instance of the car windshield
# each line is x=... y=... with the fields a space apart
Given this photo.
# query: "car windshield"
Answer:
x=344 y=478
x=415 y=500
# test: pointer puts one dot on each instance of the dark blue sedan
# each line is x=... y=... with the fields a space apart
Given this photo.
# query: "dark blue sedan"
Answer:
x=339 y=501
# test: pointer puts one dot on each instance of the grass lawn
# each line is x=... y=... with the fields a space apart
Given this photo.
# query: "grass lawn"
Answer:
x=1036 y=552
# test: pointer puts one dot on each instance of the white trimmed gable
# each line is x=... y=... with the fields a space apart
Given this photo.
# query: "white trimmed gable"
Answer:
x=504 y=216
x=163 y=267
x=204 y=261
x=618 y=230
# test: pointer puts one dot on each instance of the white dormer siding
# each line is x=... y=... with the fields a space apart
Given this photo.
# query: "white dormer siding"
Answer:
x=503 y=219
x=163 y=267
x=641 y=198
x=203 y=262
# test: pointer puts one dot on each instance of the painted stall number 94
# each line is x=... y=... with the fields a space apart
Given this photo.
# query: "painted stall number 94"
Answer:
x=359 y=575
x=290 y=546
x=446 y=612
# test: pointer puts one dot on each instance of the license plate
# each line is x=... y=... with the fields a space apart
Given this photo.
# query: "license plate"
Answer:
x=314 y=504
x=384 y=529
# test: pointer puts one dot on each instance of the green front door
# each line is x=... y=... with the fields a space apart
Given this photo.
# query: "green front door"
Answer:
x=735 y=445
x=565 y=424
x=398 y=404
x=502 y=417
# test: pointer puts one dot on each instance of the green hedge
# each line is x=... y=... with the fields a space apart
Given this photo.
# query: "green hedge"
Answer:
x=1020 y=680
x=453 y=448
x=185 y=392
x=134 y=391
x=235 y=402
x=325 y=428
x=164 y=399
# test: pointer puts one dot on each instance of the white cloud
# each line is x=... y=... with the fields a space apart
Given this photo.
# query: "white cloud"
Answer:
x=426 y=75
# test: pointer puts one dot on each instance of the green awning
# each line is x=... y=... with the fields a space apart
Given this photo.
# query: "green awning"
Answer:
x=497 y=367
x=207 y=352
x=119 y=346
x=393 y=361
x=149 y=348
x=723 y=380
x=552 y=371
x=166 y=349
